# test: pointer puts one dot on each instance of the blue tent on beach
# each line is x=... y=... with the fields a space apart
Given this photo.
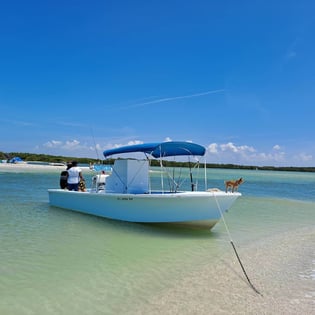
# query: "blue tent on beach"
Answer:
x=16 y=159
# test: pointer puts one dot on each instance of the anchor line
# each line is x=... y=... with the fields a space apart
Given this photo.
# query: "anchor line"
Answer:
x=234 y=248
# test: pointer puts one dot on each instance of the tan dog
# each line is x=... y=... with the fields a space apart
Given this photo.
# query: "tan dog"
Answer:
x=233 y=184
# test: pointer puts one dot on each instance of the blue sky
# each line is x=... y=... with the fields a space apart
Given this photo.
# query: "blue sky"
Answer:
x=78 y=77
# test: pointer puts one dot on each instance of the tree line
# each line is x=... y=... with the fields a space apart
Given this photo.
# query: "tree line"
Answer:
x=27 y=157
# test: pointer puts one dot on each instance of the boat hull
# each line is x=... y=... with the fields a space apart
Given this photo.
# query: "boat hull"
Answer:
x=199 y=208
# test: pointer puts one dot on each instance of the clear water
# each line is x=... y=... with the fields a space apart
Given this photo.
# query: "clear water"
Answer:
x=55 y=261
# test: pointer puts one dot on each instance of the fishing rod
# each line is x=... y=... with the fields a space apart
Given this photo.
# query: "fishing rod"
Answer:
x=191 y=177
x=95 y=147
x=234 y=248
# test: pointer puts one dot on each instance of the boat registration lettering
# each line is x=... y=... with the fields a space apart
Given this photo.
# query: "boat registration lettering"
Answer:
x=124 y=198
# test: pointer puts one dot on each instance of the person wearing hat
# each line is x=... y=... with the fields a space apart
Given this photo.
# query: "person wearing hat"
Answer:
x=74 y=176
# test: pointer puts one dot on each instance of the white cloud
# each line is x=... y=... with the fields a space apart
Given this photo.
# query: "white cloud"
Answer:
x=230 y=153
x=52 y=144
x=213 y=148
x=226 y=153
x=97 y=147
x=303 y=157
x=236 y=149
x=134 y=142
x=228 y=147
x=118 y=145
x=221 y=153
x=71 y=144
x=67 y=147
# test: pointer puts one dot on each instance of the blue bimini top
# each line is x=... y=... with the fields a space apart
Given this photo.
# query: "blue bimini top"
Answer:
x=162 y=149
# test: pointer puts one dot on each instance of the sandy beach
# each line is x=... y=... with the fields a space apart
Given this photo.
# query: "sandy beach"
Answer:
x=25 y=167
x=223 y=289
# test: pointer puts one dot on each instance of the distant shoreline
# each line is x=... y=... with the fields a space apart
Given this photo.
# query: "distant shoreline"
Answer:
x=28 y=157
x=47 y=167
x=34 y=167
x=264 y=168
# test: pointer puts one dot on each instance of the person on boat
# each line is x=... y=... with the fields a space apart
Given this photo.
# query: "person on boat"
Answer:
x=82 y=186
x=74 y=176
x=64 y=177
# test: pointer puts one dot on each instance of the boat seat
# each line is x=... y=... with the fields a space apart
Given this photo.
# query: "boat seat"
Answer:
x=99 y=182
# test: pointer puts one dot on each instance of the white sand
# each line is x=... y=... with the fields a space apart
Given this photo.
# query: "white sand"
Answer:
x=24 y=167
x=276 y=268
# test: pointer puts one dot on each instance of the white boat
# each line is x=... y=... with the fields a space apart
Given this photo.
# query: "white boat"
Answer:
x=127 y=194
x=57 y=164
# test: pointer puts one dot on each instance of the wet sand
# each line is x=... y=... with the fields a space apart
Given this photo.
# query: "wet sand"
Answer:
x=281 y=268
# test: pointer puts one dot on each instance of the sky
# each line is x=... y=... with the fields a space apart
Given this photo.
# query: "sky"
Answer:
x=78 y=77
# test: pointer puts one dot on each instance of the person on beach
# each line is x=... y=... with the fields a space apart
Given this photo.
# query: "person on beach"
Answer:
x=64 y=177
x=74 y=176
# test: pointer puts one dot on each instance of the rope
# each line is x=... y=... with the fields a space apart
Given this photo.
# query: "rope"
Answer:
x=235 y=251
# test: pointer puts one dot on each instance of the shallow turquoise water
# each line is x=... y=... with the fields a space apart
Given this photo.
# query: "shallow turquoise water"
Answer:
x=55 y=261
